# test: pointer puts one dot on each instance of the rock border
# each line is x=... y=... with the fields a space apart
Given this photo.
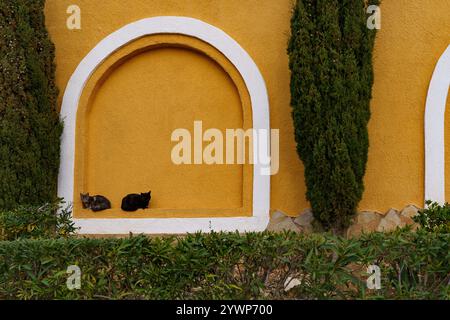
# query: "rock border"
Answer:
x=364 y=222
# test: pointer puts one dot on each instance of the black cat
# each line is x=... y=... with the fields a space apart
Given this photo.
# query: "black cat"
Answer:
x=95 y=203
x=133 y=202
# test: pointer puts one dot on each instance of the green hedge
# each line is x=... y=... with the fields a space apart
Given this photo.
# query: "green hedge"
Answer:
x=30 y=128
x=229 y=266
x=37 y=222
x=434 y=218
x=330 y=57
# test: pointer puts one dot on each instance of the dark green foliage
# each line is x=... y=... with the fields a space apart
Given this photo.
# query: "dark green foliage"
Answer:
x=435 y=218
x=330 y=54
x=37 y=222
x=229 y=266
x=30 y=128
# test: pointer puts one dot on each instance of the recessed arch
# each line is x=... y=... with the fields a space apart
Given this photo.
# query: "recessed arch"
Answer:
x=101 y=132
x=260 y=117
x=435 y=130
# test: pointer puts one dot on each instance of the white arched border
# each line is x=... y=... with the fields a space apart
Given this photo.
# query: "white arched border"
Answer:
x=435 y=130
x=261 y=120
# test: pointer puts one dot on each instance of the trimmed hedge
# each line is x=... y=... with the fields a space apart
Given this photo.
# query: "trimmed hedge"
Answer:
x=229 y=266
x=435 y=218
x=30 y=128
x=37 y=222
x=330 y=53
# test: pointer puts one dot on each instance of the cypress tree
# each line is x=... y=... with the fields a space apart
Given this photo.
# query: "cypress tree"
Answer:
x=330 y=57
x=30 y=128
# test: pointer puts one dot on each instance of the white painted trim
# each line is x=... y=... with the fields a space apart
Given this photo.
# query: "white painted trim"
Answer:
x=261 y=120
x=435 y=130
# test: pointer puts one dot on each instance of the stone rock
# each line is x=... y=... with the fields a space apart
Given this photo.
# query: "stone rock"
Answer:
x=291 y=283
x=367 y=217
x=366 y=222
x=390 y=222
x=408 y=214
x=305 y=220
x=280 y=222
x=410 y=211
x=406 y=221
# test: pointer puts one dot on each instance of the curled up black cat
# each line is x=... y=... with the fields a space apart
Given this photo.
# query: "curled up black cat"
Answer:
x=133 y=202
x=95 y=203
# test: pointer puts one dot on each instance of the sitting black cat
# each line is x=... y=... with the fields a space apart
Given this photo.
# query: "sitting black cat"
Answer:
x=95 y=203
x=133 y=202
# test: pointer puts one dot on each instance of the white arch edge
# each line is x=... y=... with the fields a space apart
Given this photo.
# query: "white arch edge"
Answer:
x=435 y=130
x=261 y=120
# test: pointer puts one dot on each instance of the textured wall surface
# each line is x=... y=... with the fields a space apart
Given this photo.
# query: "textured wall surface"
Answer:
x=413 y=36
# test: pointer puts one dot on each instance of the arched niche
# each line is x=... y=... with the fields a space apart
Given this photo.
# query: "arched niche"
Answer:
x=78 y=93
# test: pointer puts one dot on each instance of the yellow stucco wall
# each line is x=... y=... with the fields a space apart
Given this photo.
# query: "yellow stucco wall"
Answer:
x=413 y=36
